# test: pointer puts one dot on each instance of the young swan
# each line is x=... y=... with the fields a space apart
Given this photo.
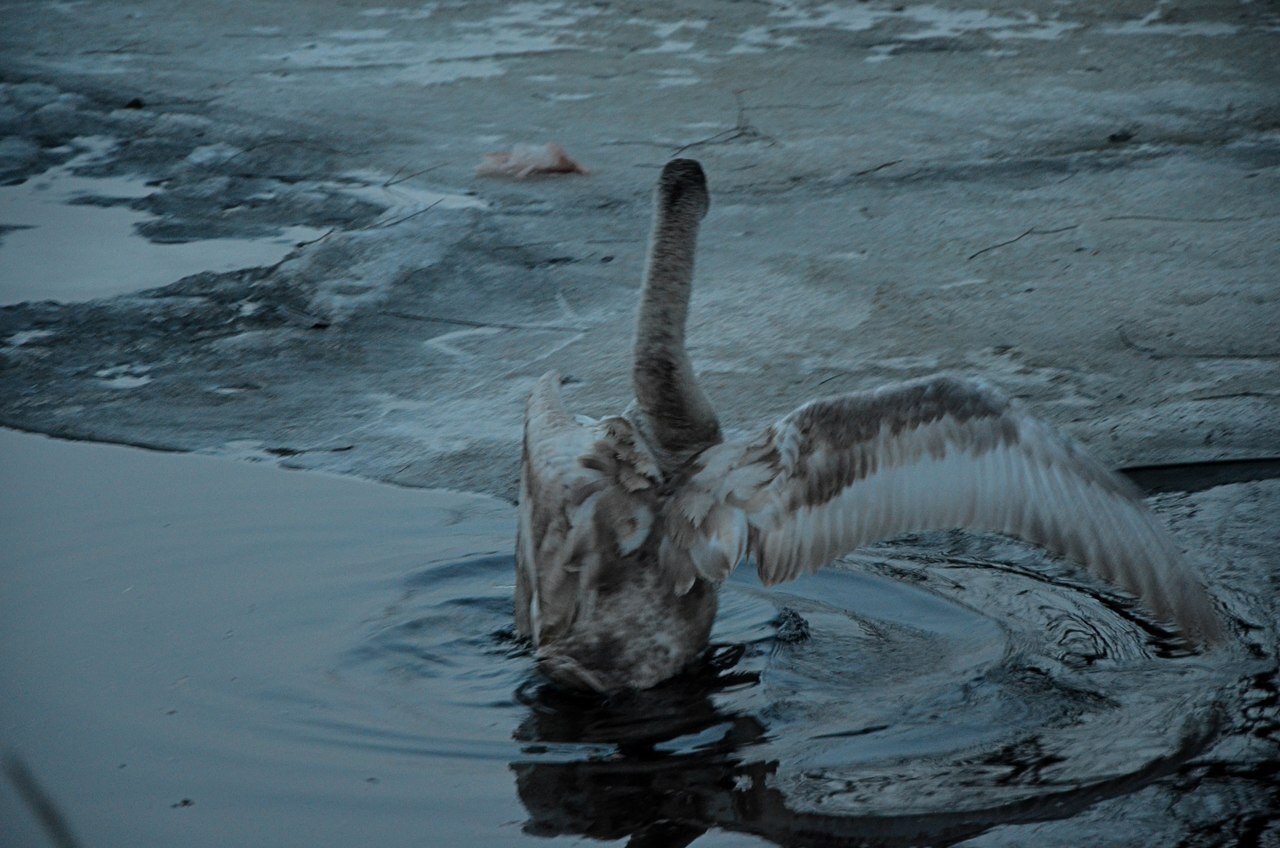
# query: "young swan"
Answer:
x=629 y=525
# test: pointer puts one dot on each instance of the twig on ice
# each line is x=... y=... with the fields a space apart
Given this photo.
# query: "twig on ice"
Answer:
x=1031 y=232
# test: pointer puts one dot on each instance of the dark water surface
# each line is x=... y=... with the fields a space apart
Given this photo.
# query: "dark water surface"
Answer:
x=201 y=652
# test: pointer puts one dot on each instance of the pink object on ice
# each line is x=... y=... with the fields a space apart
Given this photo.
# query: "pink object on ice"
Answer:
x=524 y=160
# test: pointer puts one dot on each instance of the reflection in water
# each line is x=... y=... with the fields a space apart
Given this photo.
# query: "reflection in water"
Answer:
x=655 y=788
x=857 y=710
x=641 y=788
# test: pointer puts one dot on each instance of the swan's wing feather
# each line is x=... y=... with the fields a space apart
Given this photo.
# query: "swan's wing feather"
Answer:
x=925 y=455
x=587 y=496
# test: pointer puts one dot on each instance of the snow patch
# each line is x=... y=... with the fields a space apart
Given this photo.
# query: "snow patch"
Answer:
x=675 y=79
x=759 y=39
x=1204 y=29
x=455 y=344
x=359 y=34
x=123 y=376
x=400 y=197
x=929 y=21
x=349 y=272
x=470 y=50
x=441 y=425
x=669 y=47
x=125 y=381
x=419 y=14
x=213 y=154
x=23 y=337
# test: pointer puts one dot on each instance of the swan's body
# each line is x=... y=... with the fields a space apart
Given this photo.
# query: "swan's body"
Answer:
x=628 y=525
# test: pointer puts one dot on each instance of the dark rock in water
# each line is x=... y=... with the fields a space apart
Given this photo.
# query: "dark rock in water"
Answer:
x=791 y=626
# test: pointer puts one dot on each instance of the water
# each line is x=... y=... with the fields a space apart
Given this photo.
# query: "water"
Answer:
x=1199 y=476
x=66 y=236
x=203 y=652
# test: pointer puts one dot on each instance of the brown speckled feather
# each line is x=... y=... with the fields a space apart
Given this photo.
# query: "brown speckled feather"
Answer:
x=588 y=493
x=629 y=525
x=931 y=454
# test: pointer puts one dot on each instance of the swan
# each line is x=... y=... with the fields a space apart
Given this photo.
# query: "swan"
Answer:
x=629 y=524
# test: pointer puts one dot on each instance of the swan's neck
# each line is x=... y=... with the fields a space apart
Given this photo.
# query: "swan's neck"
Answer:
x=664 y=305
x=679 y=416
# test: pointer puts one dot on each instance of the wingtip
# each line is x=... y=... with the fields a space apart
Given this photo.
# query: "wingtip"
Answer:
x=1202 y=622
x=1184 y=603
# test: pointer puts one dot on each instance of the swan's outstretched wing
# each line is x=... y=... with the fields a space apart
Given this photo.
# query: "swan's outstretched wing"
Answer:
x=588 y=495
x=925 y=455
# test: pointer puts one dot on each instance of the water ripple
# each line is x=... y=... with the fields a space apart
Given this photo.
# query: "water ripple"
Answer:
x=904 y=693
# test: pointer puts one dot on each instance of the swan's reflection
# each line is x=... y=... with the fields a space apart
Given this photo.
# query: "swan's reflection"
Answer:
x=668 y=759
x=667 y=765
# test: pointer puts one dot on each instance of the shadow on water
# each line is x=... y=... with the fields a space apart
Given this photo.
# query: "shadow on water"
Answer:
x=46 y=810
x=1199 y=476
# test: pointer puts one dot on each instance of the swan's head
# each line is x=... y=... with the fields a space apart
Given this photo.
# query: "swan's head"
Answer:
x=682 y=189
x=636 y=633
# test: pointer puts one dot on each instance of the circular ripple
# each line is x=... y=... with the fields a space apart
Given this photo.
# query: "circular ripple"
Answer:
x=964 y=690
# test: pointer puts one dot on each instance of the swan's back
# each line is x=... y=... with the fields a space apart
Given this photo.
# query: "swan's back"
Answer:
x=588 y=497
